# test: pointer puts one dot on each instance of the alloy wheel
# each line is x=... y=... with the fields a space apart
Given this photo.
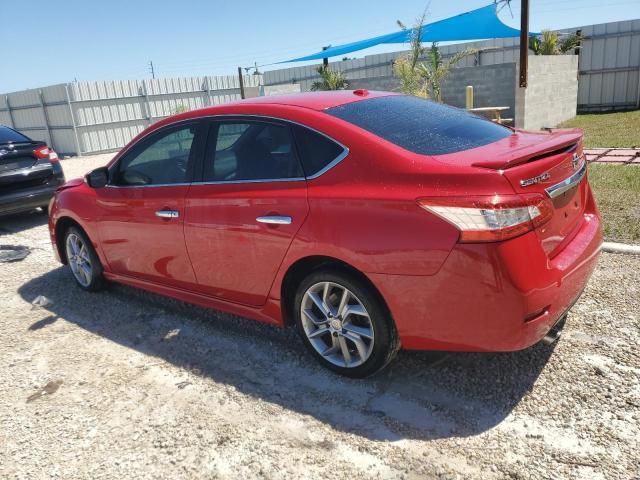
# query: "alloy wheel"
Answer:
x=337 y=324
x=79 y=259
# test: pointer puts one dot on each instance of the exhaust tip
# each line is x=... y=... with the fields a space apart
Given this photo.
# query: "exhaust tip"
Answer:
x=553 y=335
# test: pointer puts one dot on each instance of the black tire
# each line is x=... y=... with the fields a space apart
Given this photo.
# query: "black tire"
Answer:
x=385 y=343
x=93 y=281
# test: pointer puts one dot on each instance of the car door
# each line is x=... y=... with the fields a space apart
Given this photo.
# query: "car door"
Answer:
x=141 y=210
x=243 y=214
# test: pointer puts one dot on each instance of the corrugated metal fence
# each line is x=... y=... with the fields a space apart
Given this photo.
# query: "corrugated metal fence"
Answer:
x=608 y=72
x=610 y=67
x=90 y=117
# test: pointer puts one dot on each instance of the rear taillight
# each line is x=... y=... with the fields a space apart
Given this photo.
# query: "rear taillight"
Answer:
x=47 y=153
x=491 y=218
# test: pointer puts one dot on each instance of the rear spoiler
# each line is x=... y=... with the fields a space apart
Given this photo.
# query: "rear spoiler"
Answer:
x=545 y=144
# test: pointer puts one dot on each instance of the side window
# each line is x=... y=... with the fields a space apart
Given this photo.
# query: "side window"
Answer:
x=246 y=150
x=163 y=161
x=316 y=151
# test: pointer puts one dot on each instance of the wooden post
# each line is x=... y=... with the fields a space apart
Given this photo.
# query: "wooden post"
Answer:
x=241 y=82
x=469 y=97
x=524 y=43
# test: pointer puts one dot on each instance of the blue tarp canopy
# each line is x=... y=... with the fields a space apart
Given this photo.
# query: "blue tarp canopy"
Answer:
x=473 y=25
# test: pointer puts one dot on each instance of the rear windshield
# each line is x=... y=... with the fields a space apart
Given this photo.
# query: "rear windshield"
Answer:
x=8 y=135
x=421 y=126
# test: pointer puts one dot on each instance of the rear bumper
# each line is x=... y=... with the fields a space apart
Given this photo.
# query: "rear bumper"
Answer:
x=24 y=199
x=492 y=297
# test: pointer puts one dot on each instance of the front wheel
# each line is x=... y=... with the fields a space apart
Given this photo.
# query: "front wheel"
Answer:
x=344 y=323
x=83 y=260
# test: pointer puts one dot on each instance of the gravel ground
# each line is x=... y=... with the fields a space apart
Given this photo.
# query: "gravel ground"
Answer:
x=125 y=384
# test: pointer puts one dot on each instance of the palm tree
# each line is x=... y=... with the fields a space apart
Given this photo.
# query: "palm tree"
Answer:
x=547 y=45
x=551 y=44
x=436 y=70
x=570 y=43
x=331 y=80
x=424 y=79
x=405 y=67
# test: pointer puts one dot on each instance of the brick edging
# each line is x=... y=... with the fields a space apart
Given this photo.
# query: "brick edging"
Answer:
x=624 y=156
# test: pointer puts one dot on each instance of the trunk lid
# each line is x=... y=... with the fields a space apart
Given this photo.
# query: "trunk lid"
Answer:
x=553 y=165
x=14 y=156
x=19 y=167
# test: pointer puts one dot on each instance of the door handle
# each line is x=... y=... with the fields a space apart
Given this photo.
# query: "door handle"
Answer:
x=275 y=220
x=167 y=214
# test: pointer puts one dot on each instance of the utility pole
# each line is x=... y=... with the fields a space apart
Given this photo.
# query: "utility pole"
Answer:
x=524 y=43
x=151 y=70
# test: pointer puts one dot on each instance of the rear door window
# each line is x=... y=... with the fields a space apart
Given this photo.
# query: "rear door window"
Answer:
x=421 y=126
x=249 y=151
x=316 y=151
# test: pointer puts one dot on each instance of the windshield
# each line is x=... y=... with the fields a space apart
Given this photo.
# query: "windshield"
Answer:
x=421 y=126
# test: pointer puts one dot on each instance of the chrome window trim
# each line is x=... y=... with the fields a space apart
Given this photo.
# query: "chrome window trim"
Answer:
x=182 y=184
x=333 y=163
x=257 y=180
x=568 y=183
x=329 y=166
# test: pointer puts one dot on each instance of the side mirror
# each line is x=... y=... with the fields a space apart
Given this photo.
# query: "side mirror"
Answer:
x=97 y=178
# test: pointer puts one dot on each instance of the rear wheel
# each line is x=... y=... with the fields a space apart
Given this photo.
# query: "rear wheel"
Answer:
x=344 y=323
x=83 y=260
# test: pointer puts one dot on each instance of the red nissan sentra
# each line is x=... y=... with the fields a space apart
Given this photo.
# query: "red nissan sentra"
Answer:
x=371 y=221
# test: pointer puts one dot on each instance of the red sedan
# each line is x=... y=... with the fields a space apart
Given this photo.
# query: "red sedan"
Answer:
x=371 y=221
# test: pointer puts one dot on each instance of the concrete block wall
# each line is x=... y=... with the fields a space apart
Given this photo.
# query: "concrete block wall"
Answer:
x=493 y=86
x=387 y=84
x=551 y=96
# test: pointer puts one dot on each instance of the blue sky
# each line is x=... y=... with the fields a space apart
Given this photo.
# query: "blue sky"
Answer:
x=59 y=41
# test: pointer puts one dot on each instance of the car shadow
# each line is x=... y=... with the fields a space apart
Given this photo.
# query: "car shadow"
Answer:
x=420 y=395
x=19 y=222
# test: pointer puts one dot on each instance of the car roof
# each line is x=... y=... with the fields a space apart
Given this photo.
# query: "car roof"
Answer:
x=310 y=100
x=315 y=100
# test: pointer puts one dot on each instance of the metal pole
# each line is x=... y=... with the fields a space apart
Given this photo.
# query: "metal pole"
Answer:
x=325 y=61
x=146 y=101
x=13 y=122
x=46 y=119
x=241 y=82
x=638 y=101
x=469 y=97
x=73 y=121
x=524 y=43
x=208 y=87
